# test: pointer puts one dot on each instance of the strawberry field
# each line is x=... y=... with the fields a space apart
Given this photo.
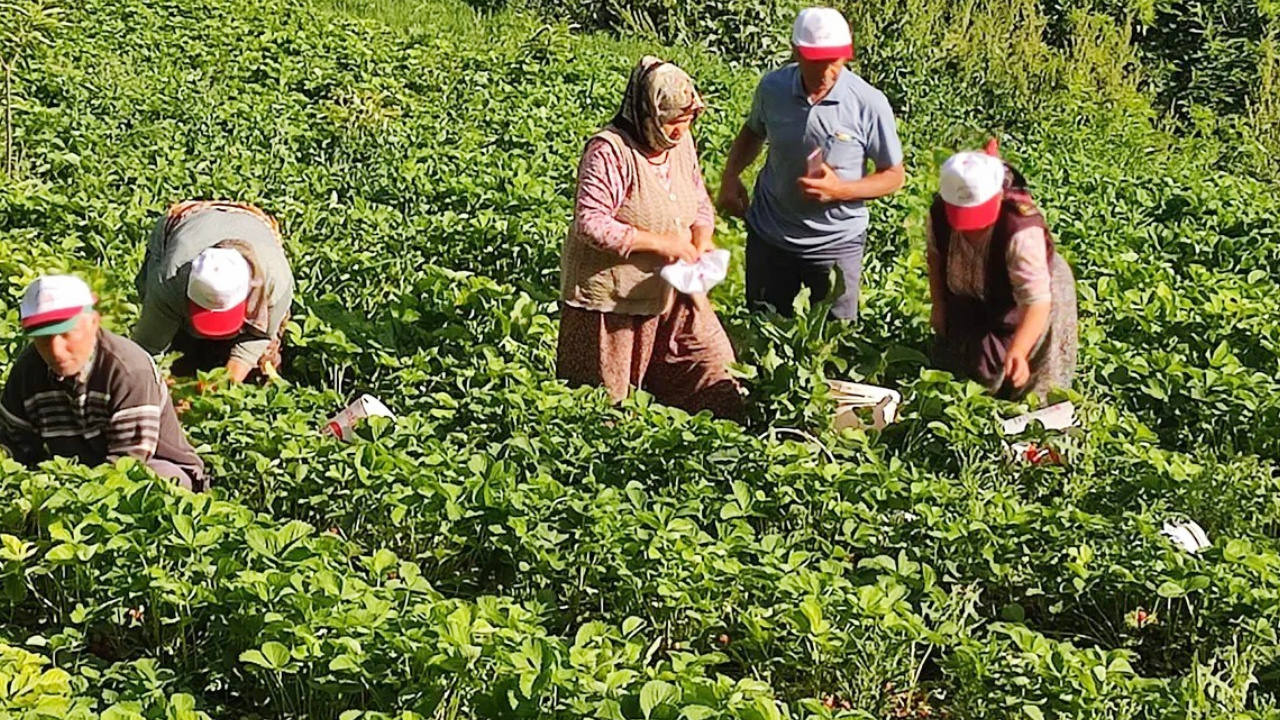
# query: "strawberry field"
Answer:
x=510 y=547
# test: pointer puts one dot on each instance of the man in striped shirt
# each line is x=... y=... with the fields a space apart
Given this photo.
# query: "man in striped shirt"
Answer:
x=80 y=391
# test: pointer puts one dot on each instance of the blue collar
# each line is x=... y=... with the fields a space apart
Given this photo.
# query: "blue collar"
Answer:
x=832 y=98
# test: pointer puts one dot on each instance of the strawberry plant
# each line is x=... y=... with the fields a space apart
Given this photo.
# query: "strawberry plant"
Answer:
x=511 y=547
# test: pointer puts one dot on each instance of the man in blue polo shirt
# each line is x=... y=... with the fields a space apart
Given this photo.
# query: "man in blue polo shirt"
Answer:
x=823 y=124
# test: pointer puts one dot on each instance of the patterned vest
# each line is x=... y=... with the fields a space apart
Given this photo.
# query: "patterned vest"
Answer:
x=601 y=280
x=997 y=311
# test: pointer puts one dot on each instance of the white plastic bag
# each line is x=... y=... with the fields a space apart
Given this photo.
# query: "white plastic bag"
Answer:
x=700 y=276
x=851 y=396
x=341 y=425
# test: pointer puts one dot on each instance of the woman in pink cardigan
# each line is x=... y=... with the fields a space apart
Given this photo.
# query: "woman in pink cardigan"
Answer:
x=641 y=204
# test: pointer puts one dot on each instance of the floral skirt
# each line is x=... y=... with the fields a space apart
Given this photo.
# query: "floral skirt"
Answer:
x=681 y=356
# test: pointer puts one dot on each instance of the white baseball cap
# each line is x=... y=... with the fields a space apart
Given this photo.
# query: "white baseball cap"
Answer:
x=217 y=292
x=972 y=185
x=822 y=34
x=53 y=304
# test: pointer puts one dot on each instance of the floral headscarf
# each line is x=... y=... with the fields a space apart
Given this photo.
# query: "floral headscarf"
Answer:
x=658 y=92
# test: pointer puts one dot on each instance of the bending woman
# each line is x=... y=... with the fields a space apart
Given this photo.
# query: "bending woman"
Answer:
x=1004 y=302
x=640 y=205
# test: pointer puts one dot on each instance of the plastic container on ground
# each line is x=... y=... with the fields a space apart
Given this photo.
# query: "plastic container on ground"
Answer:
x=855 y=400
x=342 y=424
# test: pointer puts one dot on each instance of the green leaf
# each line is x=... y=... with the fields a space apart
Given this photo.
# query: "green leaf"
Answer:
x=123 y=711
x=1014 y=612
x=382 y=561
x=186 y=530
x=765 y=708
x=527 y=681
x=181 y=707
x=255 y=657
x=731 y=510
x=62 y=553
x=1032 y=712
x=631 y=625
x=1170 y=589
x=259 y=541
x=344 y=663
x=277 y=653
x=1236 y=551
x=697 y=712
x=655 y=693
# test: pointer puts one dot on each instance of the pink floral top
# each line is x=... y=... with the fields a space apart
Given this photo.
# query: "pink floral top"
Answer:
x=604 y=179
x=1026 y=258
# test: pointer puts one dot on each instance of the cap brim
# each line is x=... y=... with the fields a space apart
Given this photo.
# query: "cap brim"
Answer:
x=216 y=324
x=976 y=217
x=838 y=52
x=54 y=328
x=55 y=322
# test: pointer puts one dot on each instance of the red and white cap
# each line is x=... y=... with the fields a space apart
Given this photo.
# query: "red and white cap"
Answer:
x=972 y=185
x=53 y=304
x=217 y=292
x=822 y=34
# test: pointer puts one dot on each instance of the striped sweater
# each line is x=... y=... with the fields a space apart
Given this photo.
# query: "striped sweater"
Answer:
x=119 y=408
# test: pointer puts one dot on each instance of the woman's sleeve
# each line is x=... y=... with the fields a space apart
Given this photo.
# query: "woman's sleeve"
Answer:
x=603 y=181
x=1028 y=261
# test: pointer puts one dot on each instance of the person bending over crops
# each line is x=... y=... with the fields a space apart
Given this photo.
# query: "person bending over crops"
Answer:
x=215 y=286
x=82 y=392
x=641 y=204
x=1004 y=303
x=823 y=124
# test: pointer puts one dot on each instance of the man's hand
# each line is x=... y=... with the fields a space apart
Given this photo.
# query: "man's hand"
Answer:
x=1017 y=370
x=827 y=187
x=733 y=199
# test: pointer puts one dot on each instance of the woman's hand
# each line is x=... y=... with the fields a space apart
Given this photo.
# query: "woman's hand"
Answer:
x=702 y=238
x=1017 y=369
x=671 y=248
x=680 y=247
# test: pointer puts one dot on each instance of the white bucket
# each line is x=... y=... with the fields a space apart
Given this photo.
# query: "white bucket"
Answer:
x=851 y=397
x=1054 y=417
x=1187 y=535
x=341 y=425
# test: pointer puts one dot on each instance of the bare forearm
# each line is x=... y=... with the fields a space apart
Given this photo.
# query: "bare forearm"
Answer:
x=645 y=241
x=936 y=278
x=876 y=185
x=1034 y=321
x=744 y=151
x=237 y=370
x=702 y=237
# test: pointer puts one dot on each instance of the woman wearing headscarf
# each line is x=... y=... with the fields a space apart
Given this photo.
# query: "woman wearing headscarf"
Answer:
x=641 y=204
x=1004 y=302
